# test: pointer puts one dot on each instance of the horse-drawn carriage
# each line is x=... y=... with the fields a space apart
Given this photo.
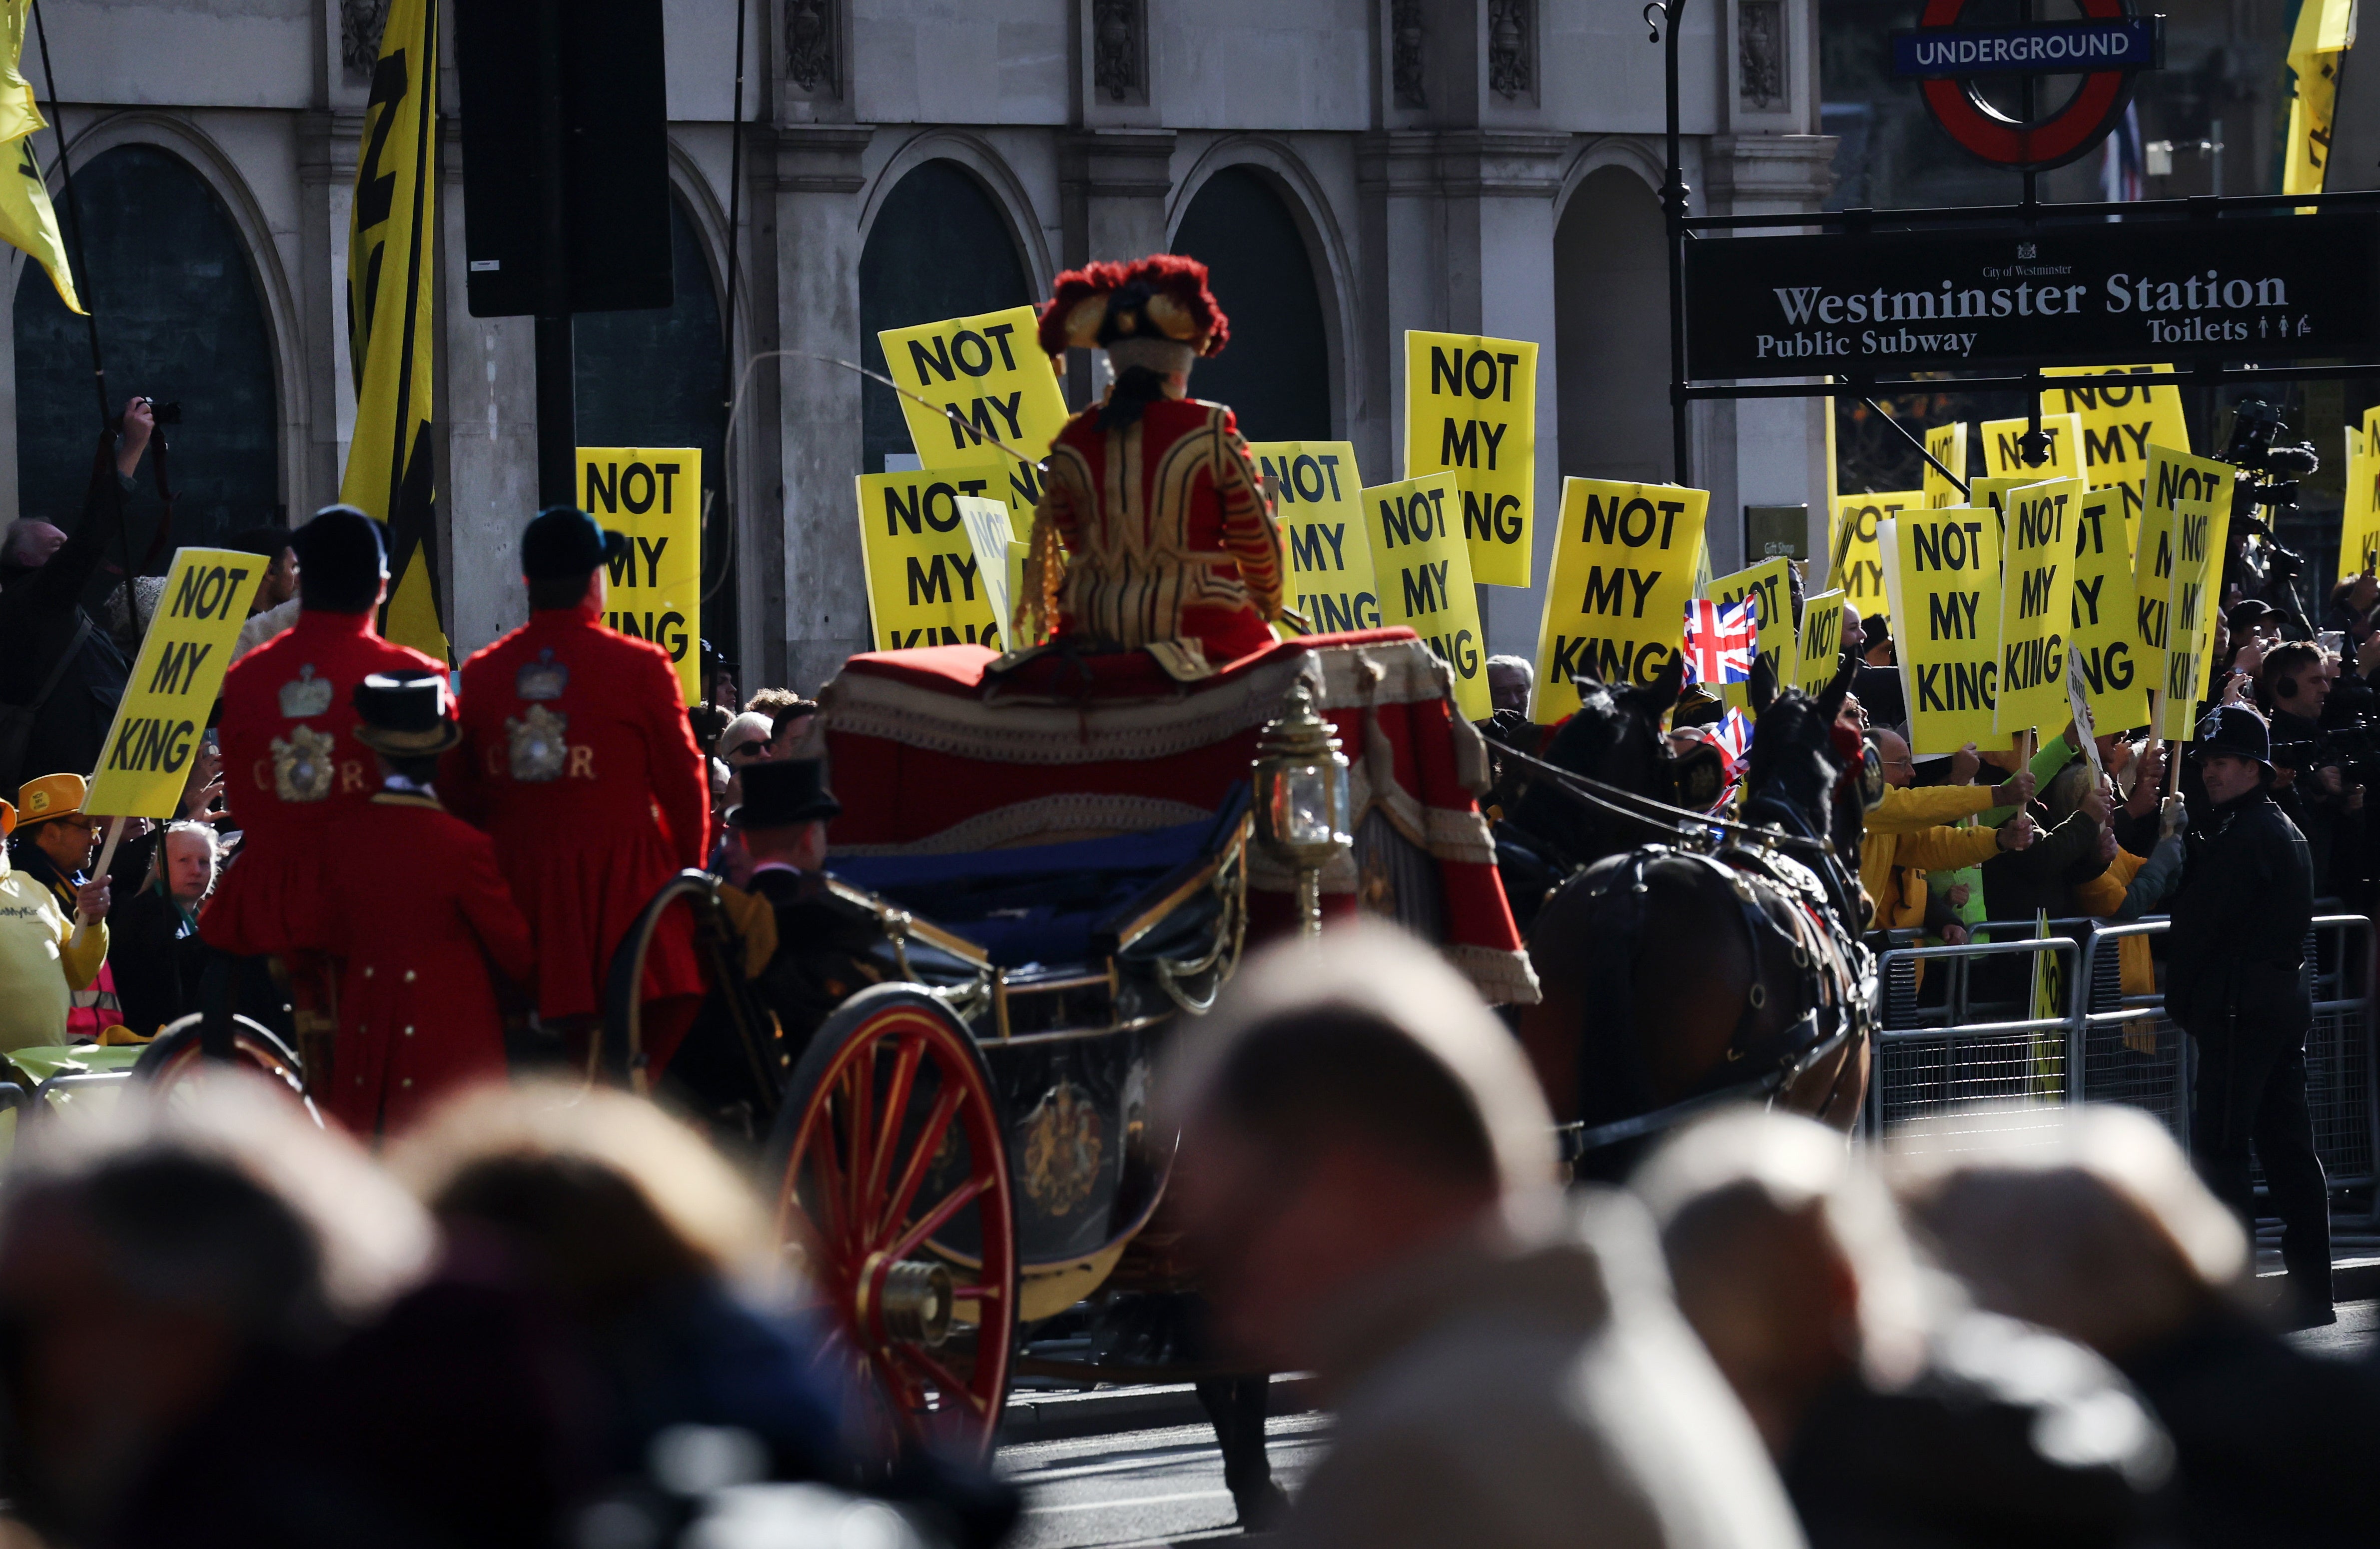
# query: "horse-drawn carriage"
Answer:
x=1033 y=875
x=1036 y=872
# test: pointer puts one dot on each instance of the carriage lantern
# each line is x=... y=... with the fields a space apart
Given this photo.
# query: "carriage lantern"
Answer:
x=1301 y=779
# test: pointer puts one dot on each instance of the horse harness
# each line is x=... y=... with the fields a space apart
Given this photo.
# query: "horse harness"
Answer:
x=1785 y=912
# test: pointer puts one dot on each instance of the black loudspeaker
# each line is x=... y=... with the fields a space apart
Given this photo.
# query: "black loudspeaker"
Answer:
x=616 y=154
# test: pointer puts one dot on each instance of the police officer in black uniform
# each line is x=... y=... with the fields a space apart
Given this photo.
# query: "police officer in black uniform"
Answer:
x=2235 y=982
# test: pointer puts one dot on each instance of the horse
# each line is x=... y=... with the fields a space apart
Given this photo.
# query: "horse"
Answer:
x=1680 y=974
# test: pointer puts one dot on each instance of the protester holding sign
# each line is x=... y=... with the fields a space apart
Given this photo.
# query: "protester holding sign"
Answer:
x=45 y=961
x=2037 y=583
x=576 y=758
x=1153 y=530
x=1947 y=563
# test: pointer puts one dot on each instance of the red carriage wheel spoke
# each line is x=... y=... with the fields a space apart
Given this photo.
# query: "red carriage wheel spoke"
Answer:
x=946 y=1107
x=973 y=1292
x=945 y=1378
x=951 y=1204
x=830 y=1188
x=896 y=1099
x=861 y=1119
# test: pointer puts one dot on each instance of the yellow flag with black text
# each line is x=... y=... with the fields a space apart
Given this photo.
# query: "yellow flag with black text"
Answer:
x=28 y=221
x=391 y=259
x=2325 y=29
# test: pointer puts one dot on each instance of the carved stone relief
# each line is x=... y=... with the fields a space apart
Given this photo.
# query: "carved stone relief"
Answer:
x=1117 y=28
x=1512 y=48
x=1760 y=53
x=809 y=46
x=360 y=22
x=1405 y=41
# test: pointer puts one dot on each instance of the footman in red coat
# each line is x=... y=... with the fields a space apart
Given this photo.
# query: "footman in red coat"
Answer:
x=578 y=760
x=419 y=917
x=293 y=770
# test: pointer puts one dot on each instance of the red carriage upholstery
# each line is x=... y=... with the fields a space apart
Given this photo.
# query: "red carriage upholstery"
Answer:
x=931 y=756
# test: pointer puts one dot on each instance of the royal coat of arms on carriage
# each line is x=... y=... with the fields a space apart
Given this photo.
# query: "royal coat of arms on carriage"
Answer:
x=1063 y=1147
x=537 y=745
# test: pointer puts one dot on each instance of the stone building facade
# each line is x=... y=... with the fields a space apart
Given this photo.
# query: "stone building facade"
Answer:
x=1371 y=166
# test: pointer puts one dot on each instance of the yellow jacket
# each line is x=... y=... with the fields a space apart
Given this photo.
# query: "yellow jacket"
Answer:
x=40 y=966
x=1893 y=863
x=2102 y=896
x=1908 y=808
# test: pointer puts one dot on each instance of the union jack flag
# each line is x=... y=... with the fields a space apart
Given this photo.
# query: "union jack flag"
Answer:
x=1720 y=640
x=1733 y=736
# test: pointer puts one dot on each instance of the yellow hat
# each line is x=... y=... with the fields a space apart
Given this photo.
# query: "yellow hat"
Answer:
x=51 y=796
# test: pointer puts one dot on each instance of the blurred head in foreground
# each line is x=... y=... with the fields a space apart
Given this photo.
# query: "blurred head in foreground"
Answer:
x=601 y=1197
x=1787 y=1260
x=2085 y=1219
x=1346 y=1109
x=155 y=1255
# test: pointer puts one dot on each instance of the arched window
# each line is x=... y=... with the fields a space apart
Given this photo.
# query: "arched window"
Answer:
x=179 y=320
x=1276 y=371
x=939 y=248
x=657 y=378
x=1612 y=330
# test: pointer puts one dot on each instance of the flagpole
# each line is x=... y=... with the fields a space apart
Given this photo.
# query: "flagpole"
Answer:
x=74 y=225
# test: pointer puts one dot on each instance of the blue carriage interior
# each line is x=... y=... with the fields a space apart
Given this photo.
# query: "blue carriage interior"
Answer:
x=1049 y=904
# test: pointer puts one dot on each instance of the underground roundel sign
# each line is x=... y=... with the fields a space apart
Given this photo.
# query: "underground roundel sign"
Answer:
x=2105 y=47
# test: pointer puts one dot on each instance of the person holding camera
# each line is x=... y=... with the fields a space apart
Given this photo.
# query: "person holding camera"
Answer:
x=2234 y=982
x=61 y=674
x=2312 y=782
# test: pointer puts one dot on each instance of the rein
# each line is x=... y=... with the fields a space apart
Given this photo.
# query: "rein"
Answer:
x=1669 y=819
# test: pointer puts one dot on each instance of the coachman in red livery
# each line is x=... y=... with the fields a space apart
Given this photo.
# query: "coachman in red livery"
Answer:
x=578 y=760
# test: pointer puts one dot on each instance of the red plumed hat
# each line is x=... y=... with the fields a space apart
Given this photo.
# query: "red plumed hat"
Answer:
x=1163 y=296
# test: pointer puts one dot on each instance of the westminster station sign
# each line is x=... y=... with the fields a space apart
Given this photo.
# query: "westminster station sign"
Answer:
x=1889 y=303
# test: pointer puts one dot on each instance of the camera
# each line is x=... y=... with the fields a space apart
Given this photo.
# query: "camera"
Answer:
x=2352 y=747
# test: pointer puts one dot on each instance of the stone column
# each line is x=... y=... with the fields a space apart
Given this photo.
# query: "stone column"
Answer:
x=326 y=174
x=817 y=243
x=488 y=375
x=1776 y=453
x=1112 y=188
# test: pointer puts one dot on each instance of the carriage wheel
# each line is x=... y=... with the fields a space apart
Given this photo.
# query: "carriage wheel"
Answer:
x=178 y=1052
x=890 y=1176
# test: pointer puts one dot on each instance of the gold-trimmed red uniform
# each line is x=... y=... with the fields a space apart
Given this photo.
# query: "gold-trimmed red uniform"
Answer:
x=578 y=760
x=294 y=772
x=1167 y=531
x=416 y=911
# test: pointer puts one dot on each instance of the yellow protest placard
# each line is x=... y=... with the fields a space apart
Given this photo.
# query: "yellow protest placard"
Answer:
x=1947 y=445
x=654 y=497
x=2036 y=605
x=988 y=381
x=998 y=557
x=1858 y=565
x=1424 y=569
x=146 y=760
x=2121 y=420
x=1319 y=504
x=1624 y=562
x=2359 y=516
x=1948 y=563
x=2105 y=639
x=2005 y=455
x=1471 y=408
x=924 y=584
x=1820 y=649
x=1774 y=603
x=2182 y=685
x=2186 y=497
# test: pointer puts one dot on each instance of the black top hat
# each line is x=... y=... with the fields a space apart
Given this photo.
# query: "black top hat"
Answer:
x=564 y=542
x=2237 y=730
x=406 y=715
x=782 y=794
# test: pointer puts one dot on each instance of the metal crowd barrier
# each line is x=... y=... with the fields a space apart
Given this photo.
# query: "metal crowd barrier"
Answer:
x=1959 y=1025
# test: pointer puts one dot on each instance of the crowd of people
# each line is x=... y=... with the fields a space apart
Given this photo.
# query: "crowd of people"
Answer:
x=543 y=1314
